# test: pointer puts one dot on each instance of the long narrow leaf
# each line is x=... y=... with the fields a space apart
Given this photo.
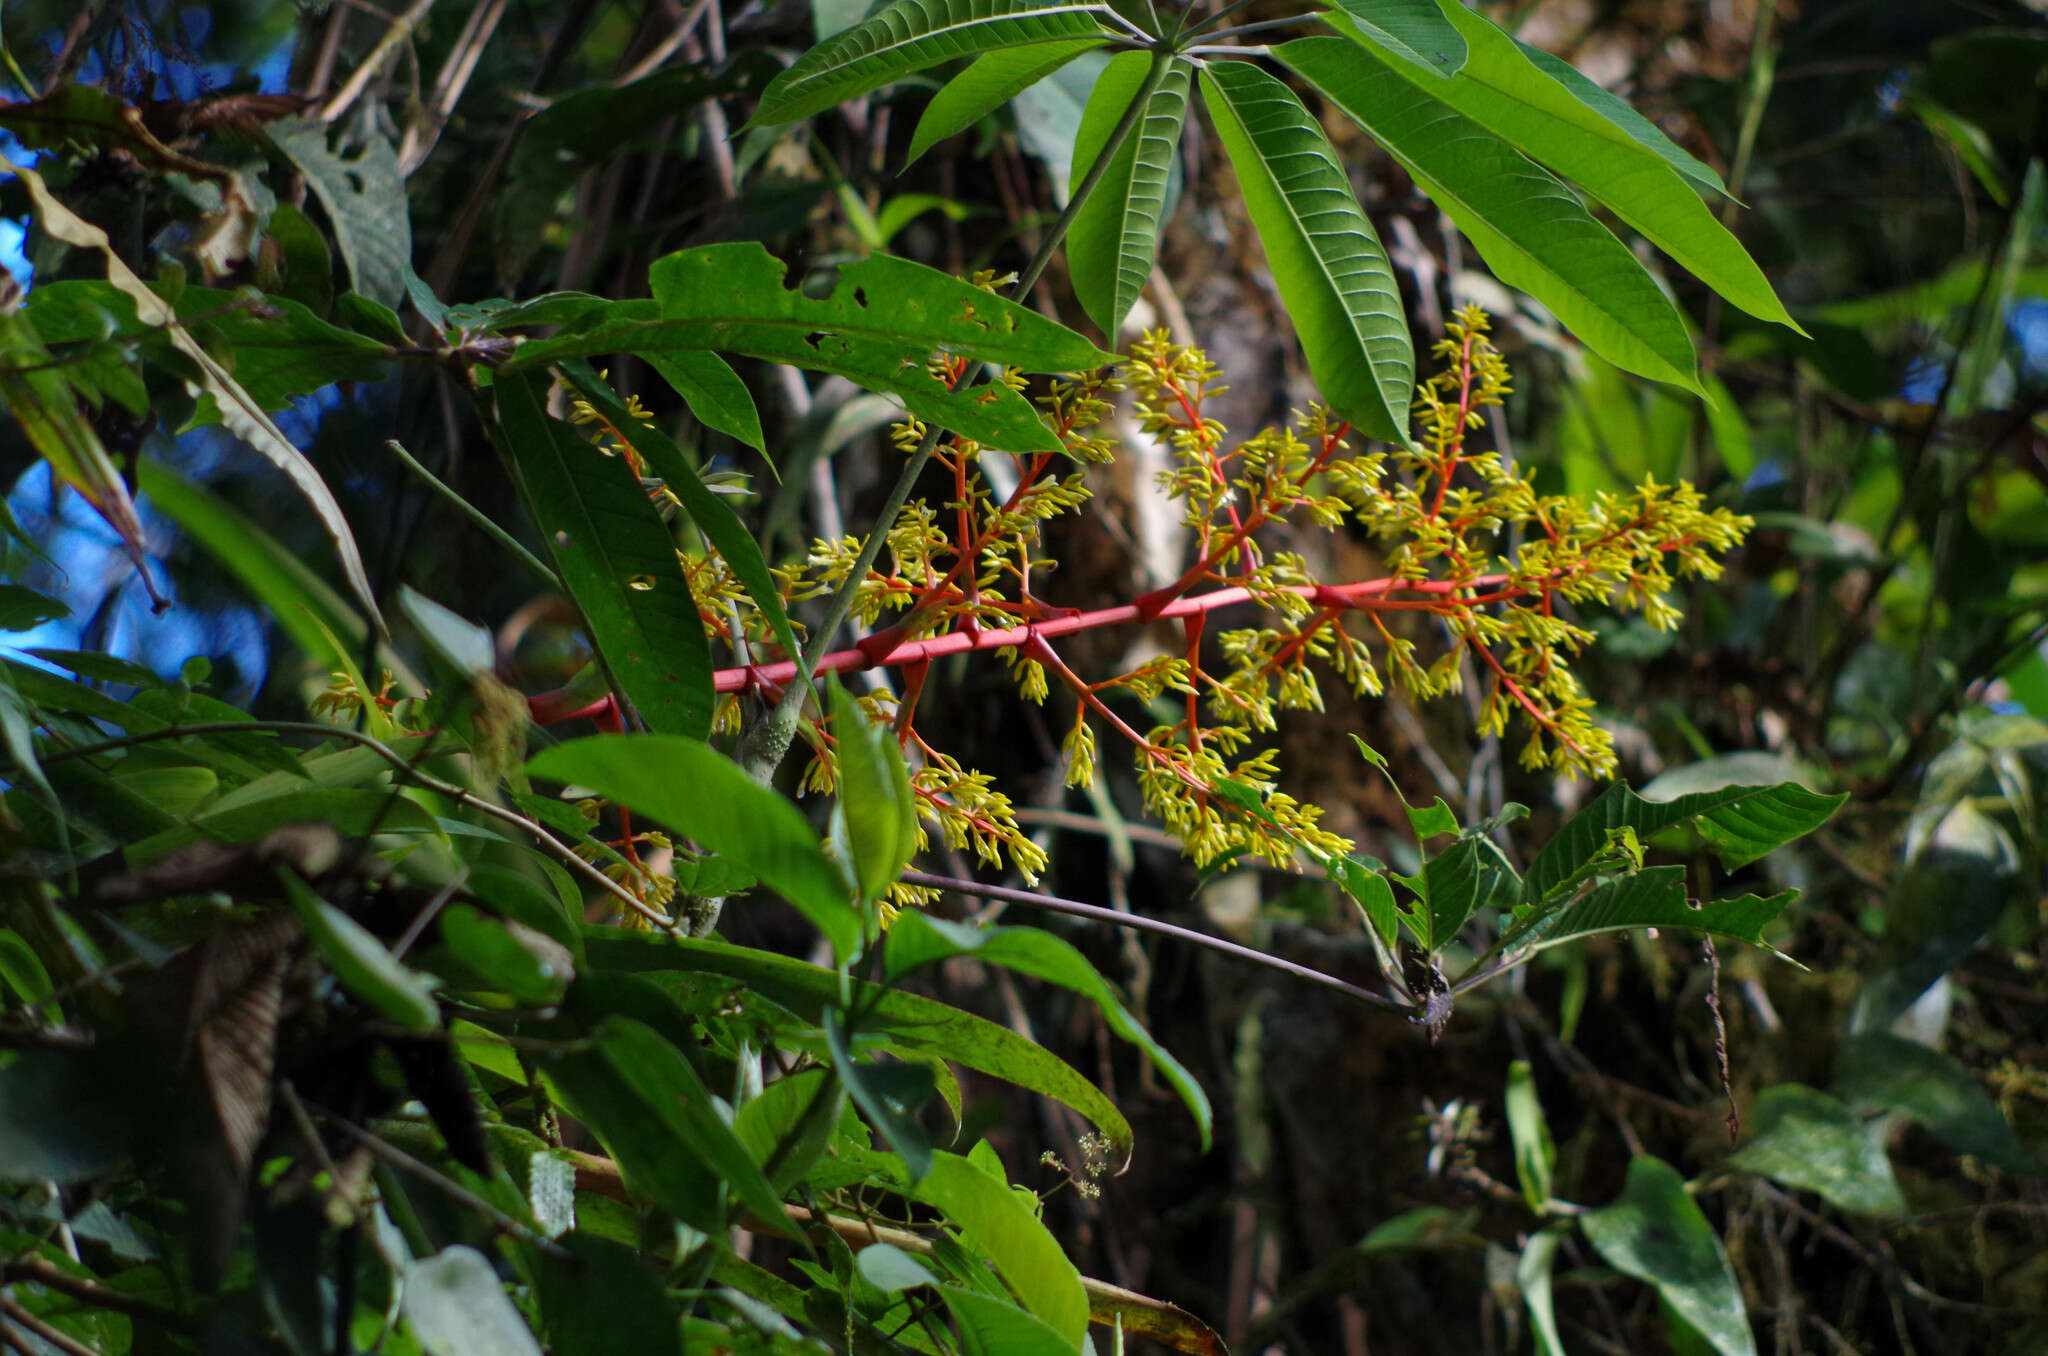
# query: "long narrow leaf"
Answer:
x=616 y=559
x=1112 y=242
x=1552 y=122
x=909 y=36
x=1414 y=29
x=1533 y=232
x=989 y=82
x=1330 y=267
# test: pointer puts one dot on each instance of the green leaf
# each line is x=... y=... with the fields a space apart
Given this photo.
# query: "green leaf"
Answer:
x=889 y=1095
x=1617 y=111
x=616 y=559
x=1529 y=1131
x=891 y=1270
x=1365 y=881
x=1653 y=898
x=878 y=326
x=910 y=36
x=1531 y=230
x=712 y=515
x=655 y=1162
x=913 y=1024
x=990 y=81
x=794 y=1115
x=703 y=794
x=464 y=644
x=1742 y=823
x=1618 y=158
x=1473 y=873
x=1941 y=908
x=1415 y=30
x=1111 y=245
x=1532 y=1276
x=365 y=200
x=279 y=348
x=1889 y=1073
x=918 y=939
x=58 y=1122
x=1809 y=1141
x=361 y=963
x=500 y=959
x=605 y=1299
x=713 y=391
x=999 y=1226
x=23 y=609
x=456 y=1306
x=1656 y=1233
x=353 y=813
x=874 y=795
x=1331 y=271
x=663 y=1079
x=992 y=1327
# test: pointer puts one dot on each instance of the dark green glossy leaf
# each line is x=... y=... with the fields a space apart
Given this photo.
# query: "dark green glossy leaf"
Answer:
x=989 y=82
x=703 y=794
x=1327 y=262
x=1617 y=111
x=1889 y=1073
x=713 y=391
x=889 y=1095
x=362 y=964
x=507 y=965
x=1111 y=245
x=712 y=515
x=23 y=609
x=604 y=1300
x=1656 y=1233
x=616 y=558
x=1469 y=875
x=793 y=1116
x=919 y=939
x=1809 y=1141
x=912 y=1024
x=910 y=36
x=1741 y=823
x=57 y=1122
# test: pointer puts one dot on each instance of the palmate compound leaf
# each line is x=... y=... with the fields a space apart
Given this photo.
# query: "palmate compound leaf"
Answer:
x=1111 y=245
x=879 y=325
x=1742 y=823
x=1572 y=126
x=1330 y=268
x=910 y=36
x=989 y=82
x=1532 y=230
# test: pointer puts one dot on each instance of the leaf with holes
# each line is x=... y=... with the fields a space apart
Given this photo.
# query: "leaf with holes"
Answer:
x=879 y=325
x=365 y=201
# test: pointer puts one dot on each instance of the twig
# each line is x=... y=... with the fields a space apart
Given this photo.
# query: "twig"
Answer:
x=56 y=1337
x=448 y=1186
x=45 y=1273
x=476 y=516
x=359 y=80
x=1096 y=913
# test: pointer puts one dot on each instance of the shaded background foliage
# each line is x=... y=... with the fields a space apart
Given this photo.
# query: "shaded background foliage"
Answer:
x=1879 y=634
